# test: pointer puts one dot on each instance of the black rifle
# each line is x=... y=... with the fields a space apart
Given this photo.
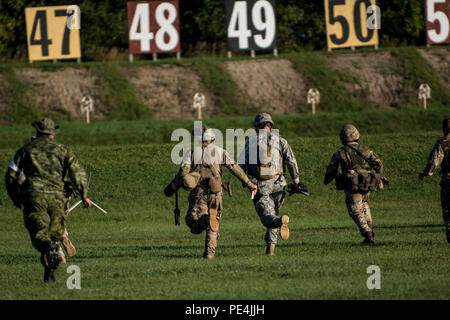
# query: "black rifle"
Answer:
x=176 y=211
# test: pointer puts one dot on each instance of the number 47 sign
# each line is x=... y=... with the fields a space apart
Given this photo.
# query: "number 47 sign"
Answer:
x=153 y=27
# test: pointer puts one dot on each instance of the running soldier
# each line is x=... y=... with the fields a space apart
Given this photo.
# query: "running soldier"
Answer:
x=35 y=184
x=440 y=157
x=361 y=173
x=201 y=173
x=264 y=159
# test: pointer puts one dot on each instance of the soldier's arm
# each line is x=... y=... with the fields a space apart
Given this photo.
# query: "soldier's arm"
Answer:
x=11 y=180
x=237 y=171
x=375 y=162
x=243 y=158
x=434 y=160
x=332 y=168
x=289 y=159
x=76 y=173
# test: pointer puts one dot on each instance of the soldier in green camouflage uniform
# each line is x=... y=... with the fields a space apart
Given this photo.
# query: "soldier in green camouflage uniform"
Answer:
x=35 y=183
x=201 y=172
x=264 y=158
x=440 y=157
x=354 y=157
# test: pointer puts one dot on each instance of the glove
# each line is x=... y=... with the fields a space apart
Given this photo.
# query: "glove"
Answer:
x=297 y=188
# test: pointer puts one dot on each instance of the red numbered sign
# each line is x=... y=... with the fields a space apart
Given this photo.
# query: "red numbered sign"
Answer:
x=153 y=27
x=437 y=17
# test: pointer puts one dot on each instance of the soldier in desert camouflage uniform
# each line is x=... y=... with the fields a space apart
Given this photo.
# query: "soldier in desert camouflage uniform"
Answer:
x=35 y=183
x=355 y=158
x=201 y=172
x=440 y=157
x=264 y=158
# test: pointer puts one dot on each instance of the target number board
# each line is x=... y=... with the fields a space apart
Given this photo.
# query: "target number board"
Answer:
x=53 y=32
x=347 y=23
x=153 y=27
x=437 y=19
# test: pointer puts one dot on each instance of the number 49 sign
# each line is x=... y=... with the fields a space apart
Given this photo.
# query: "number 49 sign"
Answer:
x=153 y=27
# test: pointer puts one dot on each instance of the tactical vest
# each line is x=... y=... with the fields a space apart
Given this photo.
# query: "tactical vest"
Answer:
x=210 y=174
x=356 y=174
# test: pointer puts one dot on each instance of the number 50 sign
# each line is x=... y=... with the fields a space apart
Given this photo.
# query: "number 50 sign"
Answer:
x=153 y=27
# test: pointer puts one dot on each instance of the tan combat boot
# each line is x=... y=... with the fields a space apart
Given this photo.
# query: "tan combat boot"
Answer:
x=213 y=222
x=68 y=246
x=270 y=249
x=284 y=232
x=210 y=244
x=62 y=257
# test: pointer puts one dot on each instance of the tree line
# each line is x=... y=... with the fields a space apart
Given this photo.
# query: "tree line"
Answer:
x=300 y=26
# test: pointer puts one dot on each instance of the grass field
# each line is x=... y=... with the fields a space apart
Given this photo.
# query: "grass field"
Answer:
x=136 y=251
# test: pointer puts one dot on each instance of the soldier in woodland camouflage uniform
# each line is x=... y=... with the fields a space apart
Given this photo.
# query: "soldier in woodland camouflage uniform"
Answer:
x=264 y=158
x=440 y=156
x=355 y=158
x=201 y=172
x=35 y=183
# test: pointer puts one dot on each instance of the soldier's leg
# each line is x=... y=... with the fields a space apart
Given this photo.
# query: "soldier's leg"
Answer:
x=37 y=221
x=197 y=218
x=354 y=202
x=265 y=207
x=445 y=202
x=56 y=212
x=212 y=232
x=367 y=212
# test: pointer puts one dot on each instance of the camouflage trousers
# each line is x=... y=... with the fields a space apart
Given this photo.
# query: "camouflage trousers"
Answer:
x=445 y=202
x=197 y=217
x=359 y=210
x=44 y=218
x=268 y=202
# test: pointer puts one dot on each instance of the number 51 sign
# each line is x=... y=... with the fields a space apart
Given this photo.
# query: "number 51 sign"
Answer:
x=153 y=27
x=437 y=14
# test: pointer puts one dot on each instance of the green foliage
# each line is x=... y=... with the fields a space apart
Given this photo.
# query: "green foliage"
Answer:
x=121 y=99
x=14 y=92
x=317 y=74
x=221 y=85
x=300 y=26
x=415 y=70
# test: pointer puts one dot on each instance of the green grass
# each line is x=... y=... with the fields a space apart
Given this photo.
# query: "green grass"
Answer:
x=136 y=252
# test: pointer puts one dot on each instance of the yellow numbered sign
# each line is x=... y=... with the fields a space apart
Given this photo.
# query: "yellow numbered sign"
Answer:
x=351 y=23
x=53 y=32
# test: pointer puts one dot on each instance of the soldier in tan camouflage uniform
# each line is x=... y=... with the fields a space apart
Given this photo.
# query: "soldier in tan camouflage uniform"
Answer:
x=440 y=157
x=264 y=158
x=201 y=172
x=354 y=159
x=35 y=183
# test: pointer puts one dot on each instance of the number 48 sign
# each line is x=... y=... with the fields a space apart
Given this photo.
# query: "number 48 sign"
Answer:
x=251 y=25
x=153 y=27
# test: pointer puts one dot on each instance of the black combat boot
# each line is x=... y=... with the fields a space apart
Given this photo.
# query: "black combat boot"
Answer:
x=448 y=236
x=49 y=275
x=52 y=255
x=368 y=238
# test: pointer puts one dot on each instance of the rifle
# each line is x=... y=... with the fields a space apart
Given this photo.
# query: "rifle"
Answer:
x=74 y=193
x=298 y=188
x=176 y=211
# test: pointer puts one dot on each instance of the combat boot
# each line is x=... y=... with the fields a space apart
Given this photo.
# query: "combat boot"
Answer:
x=213 y=221
x=52 y=255
x=284 y=231
x=67 y=244
x=62 y=256
x=448 y=236
x=270 y=249
x=49 y=275
x=368 y=237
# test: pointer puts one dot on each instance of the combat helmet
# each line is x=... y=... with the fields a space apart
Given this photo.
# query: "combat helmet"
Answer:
x=208 y=134
x=262 y=118
x=349 y=133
